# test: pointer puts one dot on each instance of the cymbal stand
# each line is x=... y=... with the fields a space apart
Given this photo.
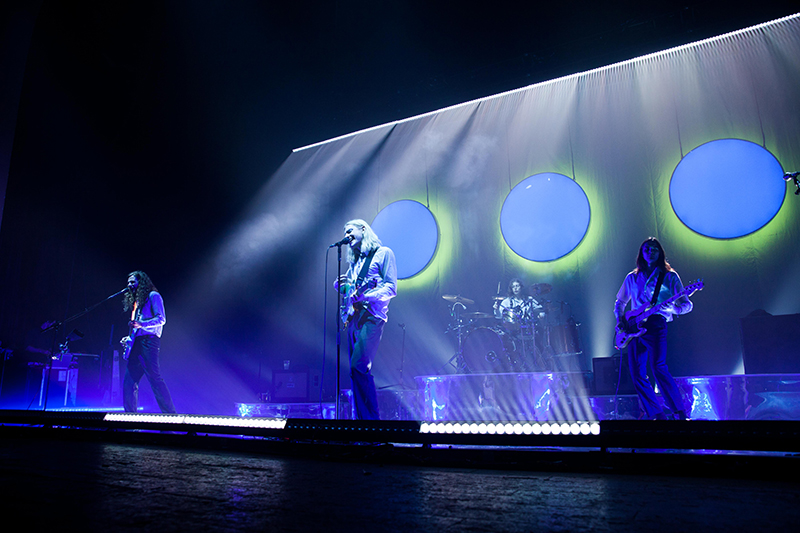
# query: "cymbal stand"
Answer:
x=457 y=361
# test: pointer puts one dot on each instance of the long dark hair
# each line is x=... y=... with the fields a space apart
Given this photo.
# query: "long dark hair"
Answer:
x=521 y=286
x=661 y=262
x=142 y=291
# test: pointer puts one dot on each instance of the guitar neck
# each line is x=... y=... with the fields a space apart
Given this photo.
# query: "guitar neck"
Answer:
x=687 y=291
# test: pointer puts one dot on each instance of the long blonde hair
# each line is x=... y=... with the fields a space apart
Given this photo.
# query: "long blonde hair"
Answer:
x=368 y=242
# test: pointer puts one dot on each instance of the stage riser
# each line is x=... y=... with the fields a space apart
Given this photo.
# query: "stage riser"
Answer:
x=743 y=397
x=555 y=396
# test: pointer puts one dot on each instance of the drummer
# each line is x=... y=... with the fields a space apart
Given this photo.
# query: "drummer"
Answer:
x=516 y=307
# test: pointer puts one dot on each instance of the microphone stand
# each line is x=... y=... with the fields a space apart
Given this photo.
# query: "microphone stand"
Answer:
x=55 y=326
x=338 y=323
x=338 y=330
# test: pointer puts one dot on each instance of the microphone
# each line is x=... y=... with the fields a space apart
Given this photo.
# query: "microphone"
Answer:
x=123 y=291
x=346 y=240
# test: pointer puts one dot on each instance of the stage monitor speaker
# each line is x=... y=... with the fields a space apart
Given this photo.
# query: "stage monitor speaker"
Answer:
x=606 y=371
x=770 y=343
x=289 y=386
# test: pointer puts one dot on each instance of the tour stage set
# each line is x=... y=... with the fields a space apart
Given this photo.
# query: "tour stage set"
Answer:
x=555 y=184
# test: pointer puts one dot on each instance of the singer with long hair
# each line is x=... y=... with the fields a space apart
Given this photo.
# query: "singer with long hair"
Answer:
x=143 y=344
x=368 y=286
x=653 y=275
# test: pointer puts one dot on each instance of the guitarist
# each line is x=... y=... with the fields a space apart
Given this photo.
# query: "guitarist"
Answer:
x=146 y=306
x=368 y=285
x=652 y=273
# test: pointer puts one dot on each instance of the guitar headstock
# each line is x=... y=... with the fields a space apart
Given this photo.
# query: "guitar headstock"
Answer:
x=694 y=286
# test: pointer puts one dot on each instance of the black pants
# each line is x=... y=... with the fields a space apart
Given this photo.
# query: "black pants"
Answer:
x=364 y=335
x=143 y=361
x=653 y=345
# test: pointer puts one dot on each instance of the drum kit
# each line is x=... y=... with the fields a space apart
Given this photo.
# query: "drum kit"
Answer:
x=522 y=338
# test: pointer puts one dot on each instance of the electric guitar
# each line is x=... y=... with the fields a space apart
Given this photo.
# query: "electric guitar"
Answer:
x=127 y=345
x=350 y=306
x=127 y=342
x=633 y=323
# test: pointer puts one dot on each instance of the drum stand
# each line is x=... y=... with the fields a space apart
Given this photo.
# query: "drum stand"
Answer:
x=537 y=361
x=458 y=325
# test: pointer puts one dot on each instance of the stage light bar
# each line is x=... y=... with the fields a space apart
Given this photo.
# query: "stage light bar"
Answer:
x=197 y=420
x=144 y=418
x=238 y=422
x=508 y=428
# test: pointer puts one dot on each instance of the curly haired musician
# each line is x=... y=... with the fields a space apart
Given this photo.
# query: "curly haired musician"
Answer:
x=516 y=306
x=366 y=303
x=144 y=342
x=638 y=288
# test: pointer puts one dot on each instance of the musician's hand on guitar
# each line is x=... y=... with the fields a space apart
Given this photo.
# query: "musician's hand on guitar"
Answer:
x=134 y=324
x=343 y=284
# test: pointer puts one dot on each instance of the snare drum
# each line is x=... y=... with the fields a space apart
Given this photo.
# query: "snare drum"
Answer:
x=512 y=320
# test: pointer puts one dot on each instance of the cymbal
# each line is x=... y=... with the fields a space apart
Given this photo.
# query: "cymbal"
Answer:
x=541 y=288
x=457 y=299
x=476 y=315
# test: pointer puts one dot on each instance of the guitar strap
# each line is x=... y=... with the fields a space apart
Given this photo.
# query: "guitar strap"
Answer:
x=362 y=275
x=658 y=287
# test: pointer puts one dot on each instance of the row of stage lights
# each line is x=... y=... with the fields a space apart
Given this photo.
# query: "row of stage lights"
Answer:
x=536 y=428
x=218 y=421
x=474 y=428
x=753 y=435
x=442 y=428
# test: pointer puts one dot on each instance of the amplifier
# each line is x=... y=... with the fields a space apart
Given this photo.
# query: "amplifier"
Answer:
x=606 y=371
x=289 y=386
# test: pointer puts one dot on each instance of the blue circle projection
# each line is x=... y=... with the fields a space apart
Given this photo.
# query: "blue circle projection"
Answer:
x=545 y=217
x=409 y=229
x=727 y=188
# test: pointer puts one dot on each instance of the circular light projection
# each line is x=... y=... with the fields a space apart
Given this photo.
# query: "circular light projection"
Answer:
x=727 y=188
x=410 y=230
x=545 y=217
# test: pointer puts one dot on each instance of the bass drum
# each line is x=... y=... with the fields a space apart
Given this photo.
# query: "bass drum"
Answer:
x=489 y=350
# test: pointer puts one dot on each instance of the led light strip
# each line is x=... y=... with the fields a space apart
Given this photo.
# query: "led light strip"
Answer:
x=517 y=428
x=267 y=423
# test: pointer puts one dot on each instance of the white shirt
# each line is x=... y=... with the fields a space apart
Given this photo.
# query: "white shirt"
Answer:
x=638 y=288
x=383 y=270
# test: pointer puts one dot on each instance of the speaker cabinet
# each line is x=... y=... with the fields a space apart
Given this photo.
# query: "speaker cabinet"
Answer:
x=289 y=386
x=770 y=343
x=606 y=373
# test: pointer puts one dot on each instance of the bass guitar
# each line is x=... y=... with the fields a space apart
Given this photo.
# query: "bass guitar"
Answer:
x=349 y=304
x=632 y=325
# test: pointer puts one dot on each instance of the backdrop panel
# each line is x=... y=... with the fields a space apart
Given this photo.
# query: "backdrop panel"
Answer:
x=619 y=132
